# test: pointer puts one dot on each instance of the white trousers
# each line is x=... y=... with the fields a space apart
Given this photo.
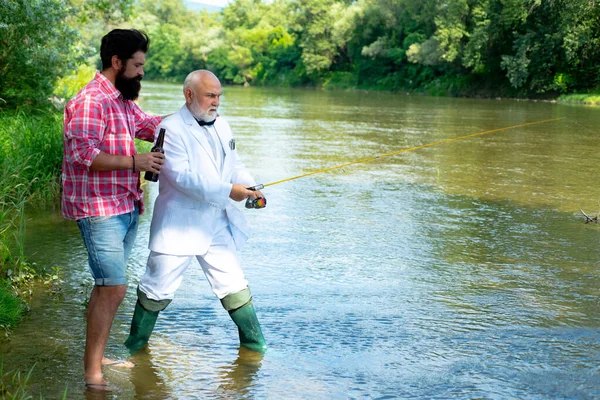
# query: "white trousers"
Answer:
x=221 y=266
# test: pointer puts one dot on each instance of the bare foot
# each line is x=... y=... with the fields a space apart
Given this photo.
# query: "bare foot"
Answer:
x=117 y=363
x=97 y=384
x=98 y=387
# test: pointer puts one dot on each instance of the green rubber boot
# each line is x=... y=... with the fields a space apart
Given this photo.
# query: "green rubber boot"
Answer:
x=143 y=321
x=142 y=325
x=240 y=308
x=249 y=329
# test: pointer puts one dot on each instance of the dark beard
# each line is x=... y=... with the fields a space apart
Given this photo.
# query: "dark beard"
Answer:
x=129 y=87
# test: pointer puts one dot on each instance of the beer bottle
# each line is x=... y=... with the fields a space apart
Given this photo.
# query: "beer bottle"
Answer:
x=158 y=147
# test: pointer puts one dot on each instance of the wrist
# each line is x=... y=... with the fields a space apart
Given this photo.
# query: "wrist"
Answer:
x=133 y=163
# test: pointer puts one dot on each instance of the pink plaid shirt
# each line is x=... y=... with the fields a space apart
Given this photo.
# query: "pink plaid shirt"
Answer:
x=98 y=119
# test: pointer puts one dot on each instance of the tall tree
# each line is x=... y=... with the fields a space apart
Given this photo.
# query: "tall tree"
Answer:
x=40 y=42
x=326 y=28
x=35 y=48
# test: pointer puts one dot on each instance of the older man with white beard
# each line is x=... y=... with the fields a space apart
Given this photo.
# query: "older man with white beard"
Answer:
x=194 y=216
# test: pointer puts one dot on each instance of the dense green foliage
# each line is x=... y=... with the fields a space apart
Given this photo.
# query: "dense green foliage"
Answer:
x=461 y=47
x=31 y=54
x=40 y=42
x=467 y=47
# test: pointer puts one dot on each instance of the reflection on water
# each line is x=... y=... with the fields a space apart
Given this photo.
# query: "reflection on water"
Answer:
x=146 y=378
x=462 y=270
x=237 y=378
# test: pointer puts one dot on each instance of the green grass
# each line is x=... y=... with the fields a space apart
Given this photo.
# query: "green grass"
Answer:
x=31 y=147
x=30 y=161
x=15 y=384
x=11 y=307
x=591 y=98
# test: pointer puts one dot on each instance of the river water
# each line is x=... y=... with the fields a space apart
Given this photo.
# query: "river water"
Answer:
x=459 y=270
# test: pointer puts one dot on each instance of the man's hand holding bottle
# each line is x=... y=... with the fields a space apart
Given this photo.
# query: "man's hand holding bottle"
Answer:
x=152 y=162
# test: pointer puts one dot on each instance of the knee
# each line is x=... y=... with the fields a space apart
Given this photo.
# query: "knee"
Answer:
x=120 y=292
x=151 y=304
x=237 y=300
x=112 y=294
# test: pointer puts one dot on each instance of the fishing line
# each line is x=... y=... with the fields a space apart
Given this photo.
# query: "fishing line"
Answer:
x=364 y=160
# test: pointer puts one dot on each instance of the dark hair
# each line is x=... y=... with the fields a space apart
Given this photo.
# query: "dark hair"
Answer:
x=123 y=43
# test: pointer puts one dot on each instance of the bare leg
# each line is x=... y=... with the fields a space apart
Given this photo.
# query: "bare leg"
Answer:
x=104 y=302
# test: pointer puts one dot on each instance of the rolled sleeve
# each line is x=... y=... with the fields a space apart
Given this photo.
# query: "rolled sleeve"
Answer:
x=81 y=156
x=84 y=132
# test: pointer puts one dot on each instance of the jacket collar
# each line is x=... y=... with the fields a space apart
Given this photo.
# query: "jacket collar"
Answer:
x=187 y=116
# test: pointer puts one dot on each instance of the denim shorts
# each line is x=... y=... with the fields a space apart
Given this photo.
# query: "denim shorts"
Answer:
x=109 y=241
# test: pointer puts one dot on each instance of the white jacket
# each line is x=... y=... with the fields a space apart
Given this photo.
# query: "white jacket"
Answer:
x=192 y=192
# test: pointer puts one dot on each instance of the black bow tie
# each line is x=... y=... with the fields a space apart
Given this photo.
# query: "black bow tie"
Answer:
x=204 y=123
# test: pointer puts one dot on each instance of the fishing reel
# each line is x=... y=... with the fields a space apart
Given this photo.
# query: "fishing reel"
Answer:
x=259 y=202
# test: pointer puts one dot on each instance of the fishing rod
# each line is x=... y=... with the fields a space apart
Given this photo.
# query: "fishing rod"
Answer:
x=261 y=202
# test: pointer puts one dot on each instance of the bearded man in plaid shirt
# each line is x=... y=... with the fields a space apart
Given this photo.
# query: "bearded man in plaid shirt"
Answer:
x=101 y=186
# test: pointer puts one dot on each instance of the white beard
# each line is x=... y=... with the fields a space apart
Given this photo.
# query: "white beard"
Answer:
x=200 y=114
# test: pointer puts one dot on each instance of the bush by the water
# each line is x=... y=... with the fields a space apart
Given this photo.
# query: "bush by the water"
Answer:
x=30 y=158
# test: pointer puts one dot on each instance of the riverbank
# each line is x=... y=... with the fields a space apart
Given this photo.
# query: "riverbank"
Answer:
x=30 y=158
x=464 y=87
x=588 y=99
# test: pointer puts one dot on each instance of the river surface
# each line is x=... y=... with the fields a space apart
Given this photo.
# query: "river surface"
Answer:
x=464 y=269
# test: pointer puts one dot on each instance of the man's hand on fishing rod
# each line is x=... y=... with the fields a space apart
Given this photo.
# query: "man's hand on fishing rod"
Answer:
x=241 y=192
x=254 y=197
x=257 y=195
x=259 y=201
